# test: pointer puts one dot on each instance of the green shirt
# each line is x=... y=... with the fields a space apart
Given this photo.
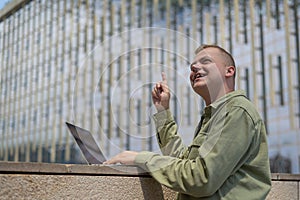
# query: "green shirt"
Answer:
x=228 y=157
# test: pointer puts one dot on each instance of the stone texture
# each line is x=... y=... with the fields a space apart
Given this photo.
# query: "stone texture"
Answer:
x=168 y=193
x=21 y=186
x=284 y=190
x=58 y=181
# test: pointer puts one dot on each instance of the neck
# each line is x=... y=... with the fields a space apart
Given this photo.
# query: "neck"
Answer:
x=213 y=96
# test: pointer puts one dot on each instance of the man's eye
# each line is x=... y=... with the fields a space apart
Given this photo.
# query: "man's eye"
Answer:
x=206 y=61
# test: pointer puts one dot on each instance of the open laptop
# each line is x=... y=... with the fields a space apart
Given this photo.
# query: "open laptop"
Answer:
x=87 y=144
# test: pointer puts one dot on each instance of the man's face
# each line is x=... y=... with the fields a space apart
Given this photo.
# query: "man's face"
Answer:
x=207 y=71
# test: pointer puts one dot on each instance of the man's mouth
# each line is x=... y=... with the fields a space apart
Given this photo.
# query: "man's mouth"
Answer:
x=198 y=76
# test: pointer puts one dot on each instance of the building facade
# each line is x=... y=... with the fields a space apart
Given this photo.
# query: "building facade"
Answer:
x=94 y=63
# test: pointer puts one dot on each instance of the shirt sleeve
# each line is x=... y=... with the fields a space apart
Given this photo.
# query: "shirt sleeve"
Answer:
x=224 y=150
x=169 y=141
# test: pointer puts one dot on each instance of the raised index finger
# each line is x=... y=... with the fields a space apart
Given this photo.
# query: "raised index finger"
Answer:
x=164 y=77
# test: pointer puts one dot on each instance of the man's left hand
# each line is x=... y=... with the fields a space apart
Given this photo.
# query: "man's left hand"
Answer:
x=126 y=158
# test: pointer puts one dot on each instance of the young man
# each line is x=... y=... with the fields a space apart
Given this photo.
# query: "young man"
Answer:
x=228 y=157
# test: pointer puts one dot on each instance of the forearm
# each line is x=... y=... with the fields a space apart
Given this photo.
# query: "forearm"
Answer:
x=182 y=175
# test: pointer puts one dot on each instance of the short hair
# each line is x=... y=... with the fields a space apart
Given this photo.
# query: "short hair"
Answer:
x=229 y=61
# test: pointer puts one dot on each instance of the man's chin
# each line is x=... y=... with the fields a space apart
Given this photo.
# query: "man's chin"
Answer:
x=198 y=85
x=199 y=88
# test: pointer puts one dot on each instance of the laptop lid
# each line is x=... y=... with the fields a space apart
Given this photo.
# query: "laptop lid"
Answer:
x=87 y=144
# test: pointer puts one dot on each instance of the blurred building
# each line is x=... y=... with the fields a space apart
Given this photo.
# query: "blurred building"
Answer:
x=94 y=63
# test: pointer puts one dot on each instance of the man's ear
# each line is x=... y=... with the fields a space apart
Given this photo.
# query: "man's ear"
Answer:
x=230 y=70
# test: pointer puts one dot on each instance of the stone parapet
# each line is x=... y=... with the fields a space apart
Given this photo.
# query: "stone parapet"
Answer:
x=60 y=181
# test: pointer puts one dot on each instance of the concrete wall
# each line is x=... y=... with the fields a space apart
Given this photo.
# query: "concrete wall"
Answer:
x=57 y=181
x=285 y=186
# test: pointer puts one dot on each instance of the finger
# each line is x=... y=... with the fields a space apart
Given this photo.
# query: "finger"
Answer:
x=164 y=77
x=156 y=89
x=113 y=160
x=154 y=95
x=164 y=87
x=159 y=88
x=164 y=83
x=108 y=162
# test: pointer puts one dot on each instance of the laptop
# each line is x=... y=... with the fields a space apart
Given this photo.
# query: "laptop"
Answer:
x=87 y=144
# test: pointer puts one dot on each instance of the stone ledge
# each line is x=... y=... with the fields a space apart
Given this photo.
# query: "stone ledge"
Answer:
x=285 y=177
x=120 y=170
x=59 y=181
x=69 y=181
x=71 y=169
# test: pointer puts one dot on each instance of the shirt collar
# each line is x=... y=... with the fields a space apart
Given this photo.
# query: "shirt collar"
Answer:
x=208 y=110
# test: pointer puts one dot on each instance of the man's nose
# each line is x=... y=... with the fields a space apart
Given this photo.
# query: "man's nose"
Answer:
x=195 y=67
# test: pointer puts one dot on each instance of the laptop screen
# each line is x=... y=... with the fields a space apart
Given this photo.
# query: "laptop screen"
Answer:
x=87 y=144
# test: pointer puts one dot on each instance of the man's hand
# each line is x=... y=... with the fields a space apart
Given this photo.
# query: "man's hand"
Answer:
x=161 y=94
x=126 y=157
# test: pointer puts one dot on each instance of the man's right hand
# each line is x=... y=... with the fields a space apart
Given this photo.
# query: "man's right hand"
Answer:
x=161 y=94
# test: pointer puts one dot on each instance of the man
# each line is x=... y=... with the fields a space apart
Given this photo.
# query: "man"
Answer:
x=228 y=157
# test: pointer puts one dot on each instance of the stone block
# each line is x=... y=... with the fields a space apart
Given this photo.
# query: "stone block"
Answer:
x=59 y=181
x=23 y=186
x=282 y=190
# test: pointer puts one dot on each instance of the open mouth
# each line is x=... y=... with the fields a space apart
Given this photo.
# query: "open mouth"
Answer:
x=198 y=76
